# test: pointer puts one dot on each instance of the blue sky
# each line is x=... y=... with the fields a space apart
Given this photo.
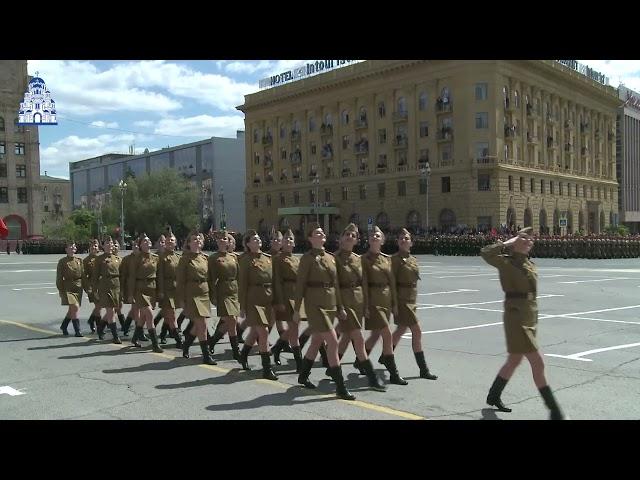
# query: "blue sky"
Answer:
x=106 y=106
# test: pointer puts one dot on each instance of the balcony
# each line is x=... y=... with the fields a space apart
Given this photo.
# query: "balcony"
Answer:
x=532 y=111
x=533 y=140
x=445 y=134
x=584 y=151
x=361 y=124
x=486 y=160
x=400 y=116
x=511 y=132
x=361 y=148
x=327 y=152
x=363 y=170
x=381 y=168
x=295 y=135
x=551 y=143
x=268 y=162
x=400 y=141
x=568 y=148
x=585 y=128
x=267 y=140
x=402 y=168
x=568 y=125
x=611 y=136
x=346 y=172
x=326 y=130
x=443 y=106
x=422 y=162
x=296 y=157
x=551 y=119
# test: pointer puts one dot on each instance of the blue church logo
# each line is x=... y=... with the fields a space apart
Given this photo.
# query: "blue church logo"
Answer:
x=38 y=107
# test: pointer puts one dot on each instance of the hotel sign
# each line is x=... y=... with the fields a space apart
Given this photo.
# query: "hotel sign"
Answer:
x=585 y=70
x=302 y=71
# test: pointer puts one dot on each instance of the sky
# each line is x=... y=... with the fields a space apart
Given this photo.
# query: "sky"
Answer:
x=107 y=106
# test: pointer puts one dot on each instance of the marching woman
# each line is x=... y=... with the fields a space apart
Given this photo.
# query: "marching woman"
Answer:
x=240 y=324
x=167 y=266
x=106 y=281
x=318 y=285
x=88 y=264
x=382 y=300
x=351 y=277
x=143 y=290
x=118 y=309
x=125 y=266
x=519 y=281
x=256 y=300
x=407 y=273
x=223 y=291
x=69 y=280
x=181 y=317
x=192 y=294
x=162 y=241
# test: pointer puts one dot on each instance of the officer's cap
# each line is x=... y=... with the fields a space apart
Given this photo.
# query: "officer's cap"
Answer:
x=220 y=234
x=403 y=232
x=311 y=227
x=289 y=233
x=350 y=228
x=275 y=234
x=376 y=229
x=525 y=232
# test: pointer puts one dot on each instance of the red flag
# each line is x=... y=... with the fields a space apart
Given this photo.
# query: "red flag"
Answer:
x=494 y=232
x=4 y=231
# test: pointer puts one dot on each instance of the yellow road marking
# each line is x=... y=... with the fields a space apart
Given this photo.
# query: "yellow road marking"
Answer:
x=215 y=368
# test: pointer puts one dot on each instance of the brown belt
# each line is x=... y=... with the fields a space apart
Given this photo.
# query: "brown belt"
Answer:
x=146 y=278
x=260 y=285
x=351 y=285
x=526 y=295
x=227 y=279
x=197 y=281
x=407 y=285
x=319 y=285
x=378 y=285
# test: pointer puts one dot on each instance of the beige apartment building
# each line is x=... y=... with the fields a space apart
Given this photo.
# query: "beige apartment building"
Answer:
x=475 y=143
x=55 y=201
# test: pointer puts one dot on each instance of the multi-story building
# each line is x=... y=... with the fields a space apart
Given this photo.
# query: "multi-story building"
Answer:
x=19 y=156
x=628 y=158
x=475 y=143
x=215 y=166
x=55 y=201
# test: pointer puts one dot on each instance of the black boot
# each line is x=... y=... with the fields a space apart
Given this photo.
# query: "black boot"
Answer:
x=267 y=372
x=424 y=369
x=217 y=336
x=114 y=332
x=206 y=357
x=136 y=335
x=154 y=340
x=163 y=333
x=395 y=378
x=156 y=320
x=357 y=365
x=189 y=326
x=234 y=347
x=374 y=381
x=303 y=378
x=176 y=336
x=64 y=325
x=127 y=325
x=550 y=402
x=323 y=356
x=495 y=391
x=286 y=347
x=244 y=357
x=121 y=321
x=277 y=349
x=240 y=332
x=188 y=341
x=303 y=339
x=297 y=356
x=76 y=327
x=92 y=322
x=181 y=318
x=341 y=389
x=100 y=326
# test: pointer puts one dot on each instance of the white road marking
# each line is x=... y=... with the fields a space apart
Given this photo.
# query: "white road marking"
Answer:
x=31 y=288
x=472 y=275
x=592 y=311
x=601 y=320
x=10 y=391
x=27 y=263
x=600 y=280
x=27 y=284
x=455 y=329
x=579 y=355
x=460 y=290
x=25 y=271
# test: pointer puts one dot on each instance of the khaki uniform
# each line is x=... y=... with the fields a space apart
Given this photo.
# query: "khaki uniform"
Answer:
x=407 y=273
x=106 y=280
x=223 y=283
x=318 y=285
x=519 y=281
x=192 y=289
x=351 y=277
x=142 y=285
x=69 y=280
x=255 y=288
x=88 y=264
x=167 y=270
x=380 y=289
x=125 y=268
x=285 y=277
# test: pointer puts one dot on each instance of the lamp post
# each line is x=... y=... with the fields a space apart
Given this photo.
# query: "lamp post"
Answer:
x=223 y=217
x=204 y=198
x=123 y=188
x=316 y=182
x=426 y=172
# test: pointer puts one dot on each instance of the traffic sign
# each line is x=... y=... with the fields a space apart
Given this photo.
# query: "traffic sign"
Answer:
x=370 y=221
x=563 y=222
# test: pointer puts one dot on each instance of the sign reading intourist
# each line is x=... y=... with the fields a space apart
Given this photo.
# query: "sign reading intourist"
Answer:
x=305 y=70
x=585 y=70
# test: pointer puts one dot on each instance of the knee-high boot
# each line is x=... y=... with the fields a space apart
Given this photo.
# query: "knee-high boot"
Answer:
x=157 y=318
x=234 y=347
x=76 y=327
x=303 y=378
x=206 y=357
x=137 y=332
x=297 y=356
x=176 y=336
x=395 y=378
x=121 y=321
x=127 y=325
x=92 y=322
x=424 y=369
x=188 y=341
x=550 y=402
x=277 y=349
x=163 y=333
x=217 y=336
x=153 y=335
x=100 y=326
x=114 y=333
x=267 y=372
x=244 y=357
x=374 y=381
x=341 y=389
x=180 y=319
x=495 y=392
x=64 y=325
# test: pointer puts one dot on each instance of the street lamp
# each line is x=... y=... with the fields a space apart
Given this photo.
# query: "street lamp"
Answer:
x=204 y=210
x=123 y=188
x=316 y=182
x=223 y=217
x=426 y=172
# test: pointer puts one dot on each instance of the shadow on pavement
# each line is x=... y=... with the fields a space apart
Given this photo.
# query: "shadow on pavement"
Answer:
x=288 y=397
x=28 y=339
x=154 y=366
x=232 y=376
x=106 y=353
x=489 y=414
x=85 y=343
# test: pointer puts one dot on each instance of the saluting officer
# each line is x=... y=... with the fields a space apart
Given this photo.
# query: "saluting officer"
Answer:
x=88 y=264
x=519 y=281
x=319 y=287
x=106 y=282
x=167 y=266
x=407 y=273
x=69 y=281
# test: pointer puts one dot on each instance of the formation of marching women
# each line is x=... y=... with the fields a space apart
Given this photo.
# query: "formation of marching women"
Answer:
x=336 y=296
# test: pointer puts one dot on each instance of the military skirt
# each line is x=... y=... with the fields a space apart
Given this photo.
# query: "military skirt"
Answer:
x=521 y=325
x=169 y=297
x=71 y=298
x=407 y=308
x=320 y=317
x=379 y=315
x=144 y=294
x=109 y=293
x=352 y=301
x=196 y=302
x=259 y=306
x=227 y=303
x=92 y=297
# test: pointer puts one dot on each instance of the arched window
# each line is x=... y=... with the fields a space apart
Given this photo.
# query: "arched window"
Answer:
x=283 y=130
x=543 y=221
x=556 y=222
x=328 y=119
x=296 y=126
x=256 y=135
x=528 y=218
x=355 y=219
x=611 y=219
x=402 y=105
x=505 y=96
x=581 y=220
x=602 y=221
x=516 y=99
x=569 y=222
x=1 y=124
x=413 y=220
x=363 y=114
x=312 y=124
x=422 y=101
x=511 y=217
x=345 y=117
x=382 y=220
x=447 y=219
x=445 y=95
x=381 y=110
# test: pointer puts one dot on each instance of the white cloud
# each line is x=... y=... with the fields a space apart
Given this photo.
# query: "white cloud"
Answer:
x=203 y=126
x=100 y=123
x=248 y=66
x=618 y=71
x=143 y=123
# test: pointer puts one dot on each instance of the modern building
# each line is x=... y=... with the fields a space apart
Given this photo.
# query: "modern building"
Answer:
x=628 y=158
x=216 y=167
x=475 y=143
x=19 y=157
x=55 y=201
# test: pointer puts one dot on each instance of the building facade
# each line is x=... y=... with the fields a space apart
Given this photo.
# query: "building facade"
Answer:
x=628 y=159
x=54 y=202
x=19 y=157
x=473 y=143
x=215 y=166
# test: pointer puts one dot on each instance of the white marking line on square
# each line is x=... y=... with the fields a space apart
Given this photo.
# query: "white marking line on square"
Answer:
x=51 y=293
x=601 y=320
x=460 y=290
x=26 y=263
x=455 y=329
x=10 y=391
x=25 y=271
x=590 y=311
x=473 y=275
x=600 y=280
x=27 y=284
x=32 y=288
x=579 y=355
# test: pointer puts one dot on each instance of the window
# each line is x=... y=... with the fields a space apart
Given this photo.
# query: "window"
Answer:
x=482 y=149
x=1 y=124
x=345 y=193
x=510 y=183
x=446 y=156
x=21 y=171
x=296 y=198
x=402 y=188
x=312 y=196
x=327 y=194
x=381 y=190
x=282 y=199
x=3 y=148
x=484 y=182
x=283 y=131
x=255 y=201
x=256 y=135
x=268 y=200
x=446 y=184
x=345 y=117
x=345 y=142
x=516 y=99
x=551 y=187
x=313 y=148
x=3 y=170
x=542 y=186
x=422 y=185
x=422 y=101
x=424 y=129
x=382 y=136
x=19 y=150
x=283 y=154
x=584 y=191
x=482 y=120
x=22 y=195
x=46 y=208
x=560 y=188
x=256 y=159
x=481 y=91
x=4 y=195
x=363 y=192
x=522 y=184
x=402 y=105
x=312 y=124
x=17 y=128
x=532 y=186
x=382 y=111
